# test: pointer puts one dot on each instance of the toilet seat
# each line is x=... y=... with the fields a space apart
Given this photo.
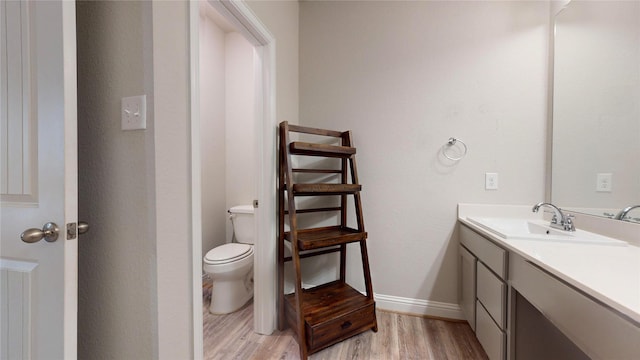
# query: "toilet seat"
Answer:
x=228 y=253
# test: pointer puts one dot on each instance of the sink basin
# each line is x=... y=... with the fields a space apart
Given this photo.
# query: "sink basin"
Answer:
x=541 y=229
x=524 y=229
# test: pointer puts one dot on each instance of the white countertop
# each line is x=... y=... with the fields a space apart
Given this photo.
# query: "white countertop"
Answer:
x=610 y=274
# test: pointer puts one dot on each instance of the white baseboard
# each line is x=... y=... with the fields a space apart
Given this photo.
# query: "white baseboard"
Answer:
x=418 y=307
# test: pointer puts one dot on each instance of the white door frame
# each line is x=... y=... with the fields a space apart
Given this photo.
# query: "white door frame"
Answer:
x=239 y=14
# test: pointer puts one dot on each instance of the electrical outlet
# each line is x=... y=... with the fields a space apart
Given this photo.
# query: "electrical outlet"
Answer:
x=604 y=182
x=491 y=181
x=134 y=112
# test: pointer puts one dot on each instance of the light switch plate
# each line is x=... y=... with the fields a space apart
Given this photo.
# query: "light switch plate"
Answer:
x=604 y=182
x=134 y=112
x=491 y=181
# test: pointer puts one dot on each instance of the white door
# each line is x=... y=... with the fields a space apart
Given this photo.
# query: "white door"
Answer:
x=39 y=179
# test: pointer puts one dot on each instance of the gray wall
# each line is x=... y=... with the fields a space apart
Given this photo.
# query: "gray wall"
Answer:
x=406 y=76
x=117 y=296
x=403 y=76
x=281 y=18
x=135 y=266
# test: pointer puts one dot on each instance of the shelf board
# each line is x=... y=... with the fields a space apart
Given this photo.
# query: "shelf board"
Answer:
x=325 y=189
x=317 y=171
x=316 y=238
x=314 y=149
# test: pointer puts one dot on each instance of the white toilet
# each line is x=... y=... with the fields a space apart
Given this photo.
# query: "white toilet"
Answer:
x=230 y=266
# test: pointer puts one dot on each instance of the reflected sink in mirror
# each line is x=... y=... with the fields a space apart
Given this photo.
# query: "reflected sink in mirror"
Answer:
x=526 y=229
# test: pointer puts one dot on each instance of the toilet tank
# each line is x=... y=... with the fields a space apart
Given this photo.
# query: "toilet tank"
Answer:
x=242 y=219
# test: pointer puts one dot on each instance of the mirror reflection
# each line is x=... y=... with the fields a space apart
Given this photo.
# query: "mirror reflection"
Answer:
x=596 y=109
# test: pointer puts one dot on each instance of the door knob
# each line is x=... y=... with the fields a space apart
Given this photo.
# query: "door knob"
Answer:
x=49 y=232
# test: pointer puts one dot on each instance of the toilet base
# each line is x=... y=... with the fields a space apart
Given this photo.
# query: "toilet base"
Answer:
x=228 y=296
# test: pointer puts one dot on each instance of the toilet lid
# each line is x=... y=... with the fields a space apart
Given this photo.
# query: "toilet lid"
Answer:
x=228 y=253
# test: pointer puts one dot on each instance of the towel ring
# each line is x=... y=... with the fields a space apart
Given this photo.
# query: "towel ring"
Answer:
x=451 y=142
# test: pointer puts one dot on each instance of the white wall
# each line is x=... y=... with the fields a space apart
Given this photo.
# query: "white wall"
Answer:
x=116 y=270
x=406 y=76
x=227 y=134
x=173 y=179
x=212 y=132
x=240 y=140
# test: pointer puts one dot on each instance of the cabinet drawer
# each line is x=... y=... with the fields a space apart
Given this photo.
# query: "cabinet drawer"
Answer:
x=322 y=334
x=493 y=339
x=489 y=253
x=492 y=292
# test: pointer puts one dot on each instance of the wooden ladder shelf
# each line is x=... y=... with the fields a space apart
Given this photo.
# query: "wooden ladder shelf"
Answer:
x=329 y=313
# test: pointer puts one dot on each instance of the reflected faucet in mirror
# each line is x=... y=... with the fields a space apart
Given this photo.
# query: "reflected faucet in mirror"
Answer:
x=622 y=215
x=559 y=220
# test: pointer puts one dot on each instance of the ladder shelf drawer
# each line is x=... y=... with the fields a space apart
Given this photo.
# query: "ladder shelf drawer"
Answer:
x=332 y=313
x=338 y=329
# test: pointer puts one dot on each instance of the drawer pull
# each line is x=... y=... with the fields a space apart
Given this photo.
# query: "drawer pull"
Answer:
x=345 y=325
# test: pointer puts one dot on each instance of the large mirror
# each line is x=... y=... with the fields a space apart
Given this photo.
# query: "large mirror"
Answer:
x=596 y=108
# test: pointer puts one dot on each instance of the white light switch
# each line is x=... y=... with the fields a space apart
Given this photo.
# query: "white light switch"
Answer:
x=134 y=112
x=491 y=181
x=604 y=182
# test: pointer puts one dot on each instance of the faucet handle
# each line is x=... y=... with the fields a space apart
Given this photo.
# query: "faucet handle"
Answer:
x=569 y=225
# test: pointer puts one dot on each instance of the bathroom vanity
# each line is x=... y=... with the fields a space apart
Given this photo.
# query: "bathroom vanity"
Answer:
x=530 y=291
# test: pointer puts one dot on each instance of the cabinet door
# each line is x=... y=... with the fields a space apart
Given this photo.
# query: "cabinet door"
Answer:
x=468 y=284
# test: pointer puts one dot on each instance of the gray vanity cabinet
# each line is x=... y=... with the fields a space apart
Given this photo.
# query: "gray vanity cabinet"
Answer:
x=484 y=290
x=593 y=329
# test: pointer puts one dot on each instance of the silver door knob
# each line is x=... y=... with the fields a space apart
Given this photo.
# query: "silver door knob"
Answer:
x=49 y=232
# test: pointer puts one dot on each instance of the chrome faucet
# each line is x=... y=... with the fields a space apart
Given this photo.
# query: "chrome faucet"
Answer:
x=559 y=220
x=623 y=214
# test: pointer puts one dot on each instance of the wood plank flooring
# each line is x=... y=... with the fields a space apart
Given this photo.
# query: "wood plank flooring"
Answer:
x=399 y=337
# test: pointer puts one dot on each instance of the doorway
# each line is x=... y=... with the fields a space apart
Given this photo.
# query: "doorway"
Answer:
x=227 y=125
x=263 y=161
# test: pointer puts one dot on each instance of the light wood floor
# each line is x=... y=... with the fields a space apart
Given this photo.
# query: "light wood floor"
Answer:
x=398 y=337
